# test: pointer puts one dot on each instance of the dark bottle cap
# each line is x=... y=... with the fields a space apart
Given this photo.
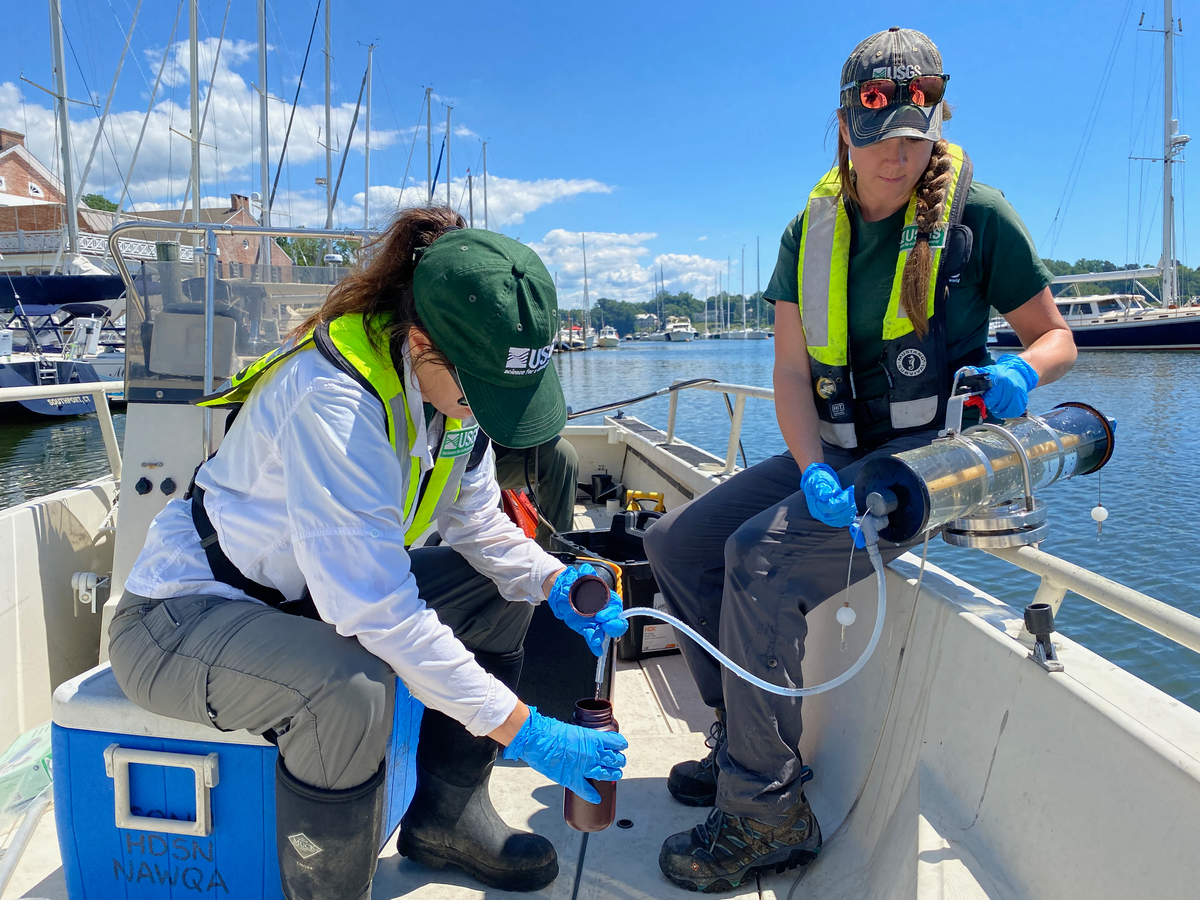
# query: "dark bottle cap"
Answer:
x=589 y=594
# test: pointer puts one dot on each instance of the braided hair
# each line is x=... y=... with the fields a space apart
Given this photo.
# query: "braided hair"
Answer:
x=931 y=191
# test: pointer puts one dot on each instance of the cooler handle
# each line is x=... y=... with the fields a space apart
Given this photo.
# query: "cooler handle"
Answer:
x=204 y=768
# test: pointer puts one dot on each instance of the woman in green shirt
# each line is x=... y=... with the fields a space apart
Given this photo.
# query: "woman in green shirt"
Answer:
x=882 y=289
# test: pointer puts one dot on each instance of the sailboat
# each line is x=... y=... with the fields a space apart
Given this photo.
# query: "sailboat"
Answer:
x=1129 y=321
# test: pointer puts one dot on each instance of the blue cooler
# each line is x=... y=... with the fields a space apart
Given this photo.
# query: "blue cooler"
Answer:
x=150 y=807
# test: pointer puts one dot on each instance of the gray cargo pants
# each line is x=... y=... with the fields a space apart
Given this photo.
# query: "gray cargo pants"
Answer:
x=742 y=565
x=236 y=664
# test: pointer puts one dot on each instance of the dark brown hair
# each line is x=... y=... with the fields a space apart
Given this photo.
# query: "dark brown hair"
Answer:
x=931 y=191
x=382 y=289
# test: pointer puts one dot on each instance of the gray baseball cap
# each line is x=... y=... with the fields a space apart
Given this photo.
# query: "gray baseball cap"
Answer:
x=900 y=54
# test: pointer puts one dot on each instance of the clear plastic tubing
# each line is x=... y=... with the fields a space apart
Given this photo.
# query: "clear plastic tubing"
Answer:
x=876 y=561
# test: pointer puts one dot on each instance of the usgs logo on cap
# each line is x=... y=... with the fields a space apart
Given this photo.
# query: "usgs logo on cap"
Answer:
x=526 y=360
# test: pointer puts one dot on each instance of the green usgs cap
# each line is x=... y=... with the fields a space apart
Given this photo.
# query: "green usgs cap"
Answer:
x=489 y=305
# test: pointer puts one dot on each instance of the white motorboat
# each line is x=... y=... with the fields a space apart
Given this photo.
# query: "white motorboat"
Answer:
x=679 y=329
x=945 y=768
x=608 y=338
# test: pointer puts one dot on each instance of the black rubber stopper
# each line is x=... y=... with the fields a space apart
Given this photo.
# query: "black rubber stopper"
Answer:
x=624 y=823
x=1039 y=619
x=589 y=594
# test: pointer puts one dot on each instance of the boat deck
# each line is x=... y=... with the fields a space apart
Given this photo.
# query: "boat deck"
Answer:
x=666 y=721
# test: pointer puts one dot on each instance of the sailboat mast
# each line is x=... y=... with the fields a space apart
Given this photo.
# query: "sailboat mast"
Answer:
x=328 y=115
x=587 y=304
x=264 y=148
x=471 y=203
x=485 y=215
x=448 y=108
x=743 y=287
x=367 y=145
x=429 y=146
x=194 y=61
x=64 y=128
x=758 y=283
x=1169 y=293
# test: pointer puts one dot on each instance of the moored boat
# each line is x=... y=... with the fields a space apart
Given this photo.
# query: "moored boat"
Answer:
x=1119 y=322
x=944 y=768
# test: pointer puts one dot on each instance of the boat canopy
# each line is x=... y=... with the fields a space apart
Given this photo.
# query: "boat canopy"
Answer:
x=55 y=290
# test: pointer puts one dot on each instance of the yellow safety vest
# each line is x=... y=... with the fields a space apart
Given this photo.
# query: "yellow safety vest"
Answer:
x=346 y=343
x=822 y=276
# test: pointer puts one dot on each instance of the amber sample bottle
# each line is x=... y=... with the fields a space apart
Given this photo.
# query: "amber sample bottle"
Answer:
x=579 y=813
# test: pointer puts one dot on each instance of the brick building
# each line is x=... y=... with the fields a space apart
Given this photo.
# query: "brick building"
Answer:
x=31 y=225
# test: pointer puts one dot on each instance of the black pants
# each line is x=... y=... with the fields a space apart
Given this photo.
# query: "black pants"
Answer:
x=742 y=565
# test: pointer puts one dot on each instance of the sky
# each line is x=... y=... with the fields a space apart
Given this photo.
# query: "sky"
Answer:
x=671 y=136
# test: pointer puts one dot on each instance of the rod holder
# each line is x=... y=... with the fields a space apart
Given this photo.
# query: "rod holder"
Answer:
x=1039 y=621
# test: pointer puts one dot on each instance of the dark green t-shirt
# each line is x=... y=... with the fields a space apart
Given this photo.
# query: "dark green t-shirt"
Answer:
x=1004 y=271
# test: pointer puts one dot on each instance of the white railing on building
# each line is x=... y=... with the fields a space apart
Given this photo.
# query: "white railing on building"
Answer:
x=89 y=245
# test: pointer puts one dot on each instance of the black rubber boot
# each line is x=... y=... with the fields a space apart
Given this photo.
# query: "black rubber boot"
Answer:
x=694 y=781
x=328 y=841
x=451 y=820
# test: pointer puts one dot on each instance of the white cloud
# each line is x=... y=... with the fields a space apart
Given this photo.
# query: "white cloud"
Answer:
x=229 y=164
x=620 y=267
x=703 y=237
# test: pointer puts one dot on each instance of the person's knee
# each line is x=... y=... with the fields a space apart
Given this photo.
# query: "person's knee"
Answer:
x=353 y=712
x=660 y=538
x=747 y=539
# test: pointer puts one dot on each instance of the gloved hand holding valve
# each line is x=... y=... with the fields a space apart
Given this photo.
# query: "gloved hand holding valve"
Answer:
x=1012 y=380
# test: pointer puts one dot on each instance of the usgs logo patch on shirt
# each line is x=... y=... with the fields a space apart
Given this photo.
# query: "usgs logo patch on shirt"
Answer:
x=458 y=442
x=526 y=360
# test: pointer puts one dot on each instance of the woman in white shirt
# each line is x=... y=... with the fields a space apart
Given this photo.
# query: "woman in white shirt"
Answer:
x=281 y=596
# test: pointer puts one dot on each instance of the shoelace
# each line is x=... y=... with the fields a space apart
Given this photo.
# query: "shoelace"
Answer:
x=716 y=735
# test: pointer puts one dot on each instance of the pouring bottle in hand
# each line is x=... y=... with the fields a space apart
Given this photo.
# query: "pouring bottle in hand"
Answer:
x=579 y=813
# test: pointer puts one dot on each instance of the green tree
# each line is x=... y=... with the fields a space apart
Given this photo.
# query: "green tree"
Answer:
x=99 y=201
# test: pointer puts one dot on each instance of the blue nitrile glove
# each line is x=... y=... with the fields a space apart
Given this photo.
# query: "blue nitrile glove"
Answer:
x=606 y=623
x=568 y=754
x=827 y=500
x=1012 y=380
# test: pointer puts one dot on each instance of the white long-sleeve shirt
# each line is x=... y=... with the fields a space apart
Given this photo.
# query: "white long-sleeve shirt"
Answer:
x=306 y=490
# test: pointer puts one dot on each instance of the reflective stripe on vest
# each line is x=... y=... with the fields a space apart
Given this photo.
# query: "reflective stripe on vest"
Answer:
x=346 y=343
x=823 y=267
x=822 y=277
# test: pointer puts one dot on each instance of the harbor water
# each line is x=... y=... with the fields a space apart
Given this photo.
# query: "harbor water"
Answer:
x=1148 y=487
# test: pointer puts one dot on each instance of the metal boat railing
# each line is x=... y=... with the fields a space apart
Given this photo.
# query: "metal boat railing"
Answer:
x=736 y=413
x=1057 y=575
x=97 y=390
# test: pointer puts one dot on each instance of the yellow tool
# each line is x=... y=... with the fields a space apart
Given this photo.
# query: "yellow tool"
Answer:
x=634 y=499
